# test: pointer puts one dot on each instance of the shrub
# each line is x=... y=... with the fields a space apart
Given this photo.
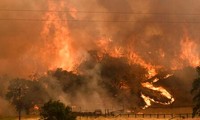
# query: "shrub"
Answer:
x=56 y=110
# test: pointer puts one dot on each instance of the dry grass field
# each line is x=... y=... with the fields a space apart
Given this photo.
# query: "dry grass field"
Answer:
x=125 y=118
x=153 y=111
x=102 y=118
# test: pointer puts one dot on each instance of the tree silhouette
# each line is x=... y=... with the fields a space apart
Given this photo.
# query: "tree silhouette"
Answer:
x=56 y=110
x=25 y=94
x=196 y=93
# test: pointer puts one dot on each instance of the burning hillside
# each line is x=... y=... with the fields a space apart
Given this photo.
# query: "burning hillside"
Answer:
x=126 y=52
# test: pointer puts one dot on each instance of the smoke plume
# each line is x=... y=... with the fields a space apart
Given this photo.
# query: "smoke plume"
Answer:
x=102 y=41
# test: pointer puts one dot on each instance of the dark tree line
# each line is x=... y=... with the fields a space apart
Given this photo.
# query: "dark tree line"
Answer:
x=119 y=79
x=196 y=93
x=116 y=76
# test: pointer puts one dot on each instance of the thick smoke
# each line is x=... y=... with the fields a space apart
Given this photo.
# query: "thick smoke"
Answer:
x=156 y=34
x=161 y=29
x=6 y=108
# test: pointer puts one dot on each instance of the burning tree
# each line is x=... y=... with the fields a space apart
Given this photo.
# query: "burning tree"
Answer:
x=122 y=80
x=196 y=92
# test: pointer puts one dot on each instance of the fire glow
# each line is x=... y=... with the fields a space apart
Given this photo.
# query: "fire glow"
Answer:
x=64 y=52
x=61 y=48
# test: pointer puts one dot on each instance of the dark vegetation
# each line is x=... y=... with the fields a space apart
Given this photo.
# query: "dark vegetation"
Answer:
x=196 y=92
x=25 y=94
x=114 y=77
x=56 y=110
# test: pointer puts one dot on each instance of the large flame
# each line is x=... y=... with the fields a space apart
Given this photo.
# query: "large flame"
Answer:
x=57 y=41
x=189 y=55
x=189 y=51
x=59 y=45
x=134 y=58
x=163 y=92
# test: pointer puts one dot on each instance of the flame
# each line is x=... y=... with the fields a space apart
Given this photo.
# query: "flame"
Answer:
x=168 y=75
x=189 y=51
x=155 y=80
x=146 y=100
x=136 y=59
x=163 y=92
x=59 y=45
x=189 y=55
x=106 y=46
x=36 y=107
x=57 y=41
x=160 y=89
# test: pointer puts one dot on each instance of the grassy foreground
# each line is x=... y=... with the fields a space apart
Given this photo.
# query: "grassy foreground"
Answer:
x=22 y=118
x=96 y=118
x=118 y=118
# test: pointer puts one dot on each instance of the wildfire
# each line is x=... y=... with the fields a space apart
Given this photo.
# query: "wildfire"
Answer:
x=106 y=45
x=36 y=107
x=159 y=89
x=146 y=100
x=58 y=43
x=135 y=59
x=189 y=52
